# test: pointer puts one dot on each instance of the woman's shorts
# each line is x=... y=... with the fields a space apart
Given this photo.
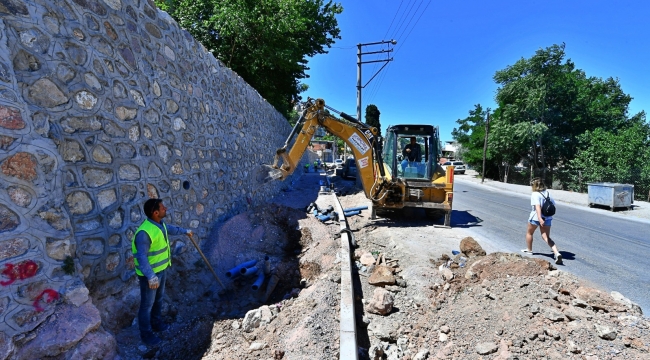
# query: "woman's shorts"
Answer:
x=547 y=222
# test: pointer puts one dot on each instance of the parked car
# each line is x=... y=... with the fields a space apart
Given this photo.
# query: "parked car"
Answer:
x=338 y=164
x=459 y=166
x=349 y=168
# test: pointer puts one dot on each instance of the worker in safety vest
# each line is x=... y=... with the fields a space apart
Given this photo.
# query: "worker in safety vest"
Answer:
x=152 y=255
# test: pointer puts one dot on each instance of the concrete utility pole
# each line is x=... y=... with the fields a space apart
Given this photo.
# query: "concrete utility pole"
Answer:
x=359 y=62
x=487 y=128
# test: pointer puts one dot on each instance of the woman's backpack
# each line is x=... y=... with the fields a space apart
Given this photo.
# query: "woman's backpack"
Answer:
x=548 y=208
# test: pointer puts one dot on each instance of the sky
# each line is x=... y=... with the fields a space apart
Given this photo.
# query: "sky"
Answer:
x=448 y=51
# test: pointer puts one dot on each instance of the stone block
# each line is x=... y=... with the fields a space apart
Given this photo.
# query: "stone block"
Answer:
x=112 y=262
x=22 y=165
x=79 y=203
x=106 y=198
x=59 y=249
x=13 y=247
x=19 y=196
x=46 y=94
x=76 y=295
x=96 y=177
x=98 y=344
x=101 y=155
x=9 y=220
x=92 y=246
x=129 y=172
x=10 y=118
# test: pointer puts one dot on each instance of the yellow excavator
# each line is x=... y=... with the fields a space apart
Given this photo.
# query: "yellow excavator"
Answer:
x=393 y=178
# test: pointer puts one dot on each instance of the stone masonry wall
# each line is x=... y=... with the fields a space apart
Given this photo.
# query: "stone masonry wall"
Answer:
x=103 y=104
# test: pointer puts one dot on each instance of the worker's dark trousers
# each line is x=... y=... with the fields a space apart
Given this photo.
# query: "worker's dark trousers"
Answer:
x=151 y=304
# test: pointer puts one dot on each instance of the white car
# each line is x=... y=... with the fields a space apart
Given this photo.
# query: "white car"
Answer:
x=459 y=166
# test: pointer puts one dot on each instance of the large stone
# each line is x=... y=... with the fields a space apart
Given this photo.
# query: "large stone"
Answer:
x=98 y=344
x=595 y=298
x=128 y=56
x=164 y=152
x=77 y=54
x=106 y=198
x=471 y=247
x=381 y=275
x=6 y=141
x=59 y=249
x=72 y=152
x=79 y=202
x=112 y=262
x=56 y=218
x=85 y=124
x=92 y=81
x=137 y=97
x=76 y=294
x=128 y=193
x=381 y=302
x=8 y=219
x=606 y=332
x=367 y=259
x=56 y=337
x=118 y=312
x=46 y=94
x=172 y=106
x=486 y=348
x=65 y=73
x=125 y=151
x=10 y=118
x=153 y=170
x=13 y=247
x=115 y=219
x=13 y=7
x=124 y=113
x=86 y=99
x=92 y=246
x=101 y=155
x=19 y=196
x=21 y=165
x=152 y=192
x=153 y=30
x=96 y=177
x=129 y=172
x=252 y=320
x=114 y=4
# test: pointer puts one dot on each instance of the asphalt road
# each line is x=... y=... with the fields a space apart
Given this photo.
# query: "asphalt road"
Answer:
x=610 y=252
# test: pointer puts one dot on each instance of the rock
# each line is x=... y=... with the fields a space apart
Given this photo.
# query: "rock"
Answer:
x=422 y=355
x=384 y=329
x=381 y=303
x=486 y=348
x=46 y=94
x=471 y=247
x=446 y=273
x=382 y=275
x=367 y=259
x=595 y=298
x=619 y=298
x=235 y=325
x=76 y=295
x=572 y=347
x=574 y=313
x=13 y=247
x=6 y=346
x=265 y=314
x=252 y=320
x=257 y=346
x=552 y=314
x=119 y=311
x=445 y=329
x=442 y=337
x=21 y=165
x=55 y=337
x=605 y=332
x=96 y=345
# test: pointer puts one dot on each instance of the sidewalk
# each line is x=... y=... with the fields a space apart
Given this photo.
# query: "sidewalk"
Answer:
x=641 y=210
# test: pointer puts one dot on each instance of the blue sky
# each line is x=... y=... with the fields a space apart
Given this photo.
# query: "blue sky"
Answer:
x=444 y=63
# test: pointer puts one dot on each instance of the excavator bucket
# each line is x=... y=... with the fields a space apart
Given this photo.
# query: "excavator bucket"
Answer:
x=266 y=173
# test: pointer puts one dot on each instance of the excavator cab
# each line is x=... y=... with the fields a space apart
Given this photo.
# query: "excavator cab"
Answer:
x=411 y=151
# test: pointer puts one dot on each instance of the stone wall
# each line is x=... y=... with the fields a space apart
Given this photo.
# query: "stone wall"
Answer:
x=103 y=104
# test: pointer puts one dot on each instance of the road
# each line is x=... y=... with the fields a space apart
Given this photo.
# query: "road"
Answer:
x=610 y=252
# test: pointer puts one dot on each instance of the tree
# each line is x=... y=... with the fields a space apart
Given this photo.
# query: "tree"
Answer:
x=545 y=104
x=621 y=156
x=267 y=42
x=470 y=135
x=372 y=117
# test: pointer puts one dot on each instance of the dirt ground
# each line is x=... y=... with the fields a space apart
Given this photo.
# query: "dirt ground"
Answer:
x=496 y=306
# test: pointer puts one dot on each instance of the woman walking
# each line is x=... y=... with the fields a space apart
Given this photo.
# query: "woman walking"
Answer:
x=535 y=219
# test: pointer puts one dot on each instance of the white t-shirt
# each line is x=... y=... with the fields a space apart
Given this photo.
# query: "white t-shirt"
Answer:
x=536 y=198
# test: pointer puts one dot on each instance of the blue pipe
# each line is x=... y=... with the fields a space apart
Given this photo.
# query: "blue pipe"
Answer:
x=351 y=213
x=324 y=217
x=258 y=283
x=249 y=271
x=356 y=208
x=234 y=272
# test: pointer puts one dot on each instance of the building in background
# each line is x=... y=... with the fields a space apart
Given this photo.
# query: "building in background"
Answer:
x=450 y=150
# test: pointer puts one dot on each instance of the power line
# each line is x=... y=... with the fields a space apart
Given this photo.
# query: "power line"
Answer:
x=391 y=23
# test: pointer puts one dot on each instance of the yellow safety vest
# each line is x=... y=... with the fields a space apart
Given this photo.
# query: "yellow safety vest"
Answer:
x=159 y=254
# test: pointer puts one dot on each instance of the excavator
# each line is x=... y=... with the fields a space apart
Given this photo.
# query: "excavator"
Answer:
x=390 y=178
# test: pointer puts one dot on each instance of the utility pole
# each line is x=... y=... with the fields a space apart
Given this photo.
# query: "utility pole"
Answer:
x=359 y=62
x=487 y=129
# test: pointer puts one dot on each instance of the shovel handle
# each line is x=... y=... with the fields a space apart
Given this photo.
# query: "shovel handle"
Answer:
x=206 y=260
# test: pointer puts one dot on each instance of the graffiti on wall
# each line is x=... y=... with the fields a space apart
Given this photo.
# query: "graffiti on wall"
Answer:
x=47 y=295
x=21 y=271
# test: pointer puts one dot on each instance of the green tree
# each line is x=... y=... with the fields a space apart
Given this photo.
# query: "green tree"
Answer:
x=267 y=42
x=471 y=135
x=372 y=117
x=621 y=156
x=545 y=104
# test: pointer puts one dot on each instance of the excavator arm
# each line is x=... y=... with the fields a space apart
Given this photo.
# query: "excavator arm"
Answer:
x=361 y=138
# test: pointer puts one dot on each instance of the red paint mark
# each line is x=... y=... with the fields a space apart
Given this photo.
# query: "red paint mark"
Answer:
x=21 y=271
x=48 y=295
